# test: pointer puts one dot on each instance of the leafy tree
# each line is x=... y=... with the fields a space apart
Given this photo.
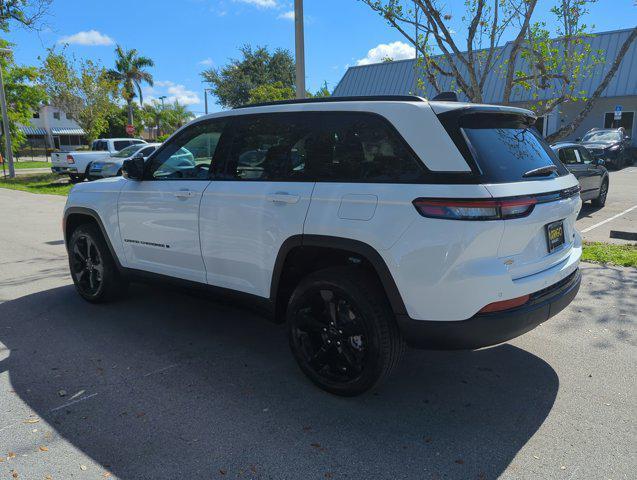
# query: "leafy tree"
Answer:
x=27 y=13
x=24 y=96
x=83 y=89
x=166 y=118
x=117 y=119
x=324 y=91
x=234 y=83
x=271 y=92
x=555 y=67
x=130 y=72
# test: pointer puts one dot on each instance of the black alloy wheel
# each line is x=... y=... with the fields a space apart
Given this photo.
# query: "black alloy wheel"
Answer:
x=87 y=266
x=92 y=266
x=331 y=336
x=342 y=330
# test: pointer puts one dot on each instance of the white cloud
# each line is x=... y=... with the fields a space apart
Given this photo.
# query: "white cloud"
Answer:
x=260 y=3
x=287 y=15
x=207 y=62
x=394 y=50
x=90 y=38
x=173 y=91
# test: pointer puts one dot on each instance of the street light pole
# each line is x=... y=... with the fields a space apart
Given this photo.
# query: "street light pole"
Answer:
x=299 y=41
x=5 y=121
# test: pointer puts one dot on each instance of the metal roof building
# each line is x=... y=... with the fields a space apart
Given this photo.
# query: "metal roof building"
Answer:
x=399 y=77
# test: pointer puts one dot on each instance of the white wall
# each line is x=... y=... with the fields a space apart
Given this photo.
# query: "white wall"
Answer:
x=596 y=116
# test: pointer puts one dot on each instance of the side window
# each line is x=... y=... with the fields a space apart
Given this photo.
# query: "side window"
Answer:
x=147 y=151
x=320 y=146
x=585 y=155
x=269 y=147
x=121 y=144
x=355 y=147
x=188 y=156
x=569 y=156
x=99 y=146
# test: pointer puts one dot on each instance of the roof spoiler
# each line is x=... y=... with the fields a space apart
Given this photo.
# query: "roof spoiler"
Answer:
x=446 y=97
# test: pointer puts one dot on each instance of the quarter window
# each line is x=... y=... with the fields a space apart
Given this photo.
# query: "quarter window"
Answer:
x=190 y=155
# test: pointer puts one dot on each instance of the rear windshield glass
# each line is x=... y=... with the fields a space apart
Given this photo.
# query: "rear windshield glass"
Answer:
x=507 y=151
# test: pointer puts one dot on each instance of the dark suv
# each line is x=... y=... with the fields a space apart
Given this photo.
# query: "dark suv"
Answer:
x=610 y=144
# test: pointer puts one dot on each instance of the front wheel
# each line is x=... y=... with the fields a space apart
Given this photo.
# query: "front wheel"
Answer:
x=600 y=201
x=93 y=269
x=342 y=331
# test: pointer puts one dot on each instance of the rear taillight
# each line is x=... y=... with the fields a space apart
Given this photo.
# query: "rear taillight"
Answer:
x=487 y=209
x=70 y=159
x=505 y=304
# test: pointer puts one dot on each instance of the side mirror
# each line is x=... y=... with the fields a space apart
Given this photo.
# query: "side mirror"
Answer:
x=133 y=168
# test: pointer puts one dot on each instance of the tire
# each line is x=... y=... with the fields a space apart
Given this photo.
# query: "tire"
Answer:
x=74 y=178
x=600 y=201
x=87 y=173
x=342 y=331
x=93 y=269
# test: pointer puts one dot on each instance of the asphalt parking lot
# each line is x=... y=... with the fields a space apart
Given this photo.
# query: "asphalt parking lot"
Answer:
x=167 y=385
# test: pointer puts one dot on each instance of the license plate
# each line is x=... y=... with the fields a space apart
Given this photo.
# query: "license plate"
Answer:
x=555 y=235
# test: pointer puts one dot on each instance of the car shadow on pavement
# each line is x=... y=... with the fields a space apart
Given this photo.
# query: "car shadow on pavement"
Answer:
x=166 y=385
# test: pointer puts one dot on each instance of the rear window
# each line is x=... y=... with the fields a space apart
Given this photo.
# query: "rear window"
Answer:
x=502 y=148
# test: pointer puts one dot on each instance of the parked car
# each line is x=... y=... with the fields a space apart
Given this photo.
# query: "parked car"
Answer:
x=365 y=224
x=610 y=144
x=589 y=171
x=77 y=164
x=112 y=165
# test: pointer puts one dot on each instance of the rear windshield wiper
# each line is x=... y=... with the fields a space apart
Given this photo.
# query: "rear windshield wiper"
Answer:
x=541 y=172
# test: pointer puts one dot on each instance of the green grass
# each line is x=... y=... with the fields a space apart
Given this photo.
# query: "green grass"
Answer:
x=29 y=164
x=38 y=183
x=608 y=253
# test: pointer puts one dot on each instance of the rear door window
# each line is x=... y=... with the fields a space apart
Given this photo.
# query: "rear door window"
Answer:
x=121 y=144
x=569 y=156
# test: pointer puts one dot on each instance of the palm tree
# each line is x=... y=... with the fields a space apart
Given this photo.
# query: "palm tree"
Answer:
x=181 y=115
x=130 y=72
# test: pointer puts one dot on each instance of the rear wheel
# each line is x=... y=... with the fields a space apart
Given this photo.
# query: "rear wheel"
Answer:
x=92 y=267
x=342 y=331
x=600 y=201
x=75 y=178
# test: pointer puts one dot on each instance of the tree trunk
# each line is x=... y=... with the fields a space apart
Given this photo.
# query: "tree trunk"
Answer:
x=577 y=121
x=130 y=112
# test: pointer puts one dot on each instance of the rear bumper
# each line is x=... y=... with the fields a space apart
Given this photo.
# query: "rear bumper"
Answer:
x=491 y=329
x=64 y=170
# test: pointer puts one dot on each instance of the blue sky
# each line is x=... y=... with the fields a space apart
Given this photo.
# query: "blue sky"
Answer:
x=186 y=36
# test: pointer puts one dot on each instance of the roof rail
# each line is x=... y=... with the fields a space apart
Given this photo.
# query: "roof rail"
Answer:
x=372 y=98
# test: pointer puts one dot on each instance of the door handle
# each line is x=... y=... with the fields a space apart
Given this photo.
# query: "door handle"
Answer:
x=282 y=197
x=184 y=193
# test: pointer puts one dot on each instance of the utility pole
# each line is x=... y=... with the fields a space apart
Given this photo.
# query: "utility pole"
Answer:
x=205 y=98
x=5 y=121
x=299 y=42
x=162 y=98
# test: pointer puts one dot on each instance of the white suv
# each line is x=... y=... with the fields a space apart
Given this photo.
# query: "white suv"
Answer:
x=364 y=223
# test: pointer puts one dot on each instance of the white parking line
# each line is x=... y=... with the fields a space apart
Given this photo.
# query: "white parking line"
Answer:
x=588 y=229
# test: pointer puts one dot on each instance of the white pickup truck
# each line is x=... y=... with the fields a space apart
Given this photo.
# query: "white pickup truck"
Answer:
x=77 y=164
